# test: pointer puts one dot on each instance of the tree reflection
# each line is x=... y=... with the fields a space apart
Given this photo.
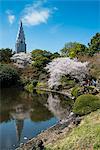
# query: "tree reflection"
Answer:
x=54 y=104
x=19 y=106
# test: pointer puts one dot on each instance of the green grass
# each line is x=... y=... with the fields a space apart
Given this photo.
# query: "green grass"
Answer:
x=84 y=137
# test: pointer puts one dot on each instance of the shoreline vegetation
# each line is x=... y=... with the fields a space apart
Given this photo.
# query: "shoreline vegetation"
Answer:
x=75 y=73
x=57 y=136
x=67 y=93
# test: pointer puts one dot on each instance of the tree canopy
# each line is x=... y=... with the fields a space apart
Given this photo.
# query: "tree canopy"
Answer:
x=5 y=55
x=8 y=75
x=94 y=45
x=73 y=49
x=38 y=52
x=65 y=66
x=42 y=57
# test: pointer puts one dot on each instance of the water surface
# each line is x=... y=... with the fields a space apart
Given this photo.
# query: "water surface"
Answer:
x=24 y=115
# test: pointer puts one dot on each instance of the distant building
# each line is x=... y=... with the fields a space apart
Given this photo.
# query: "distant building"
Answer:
x=20 y=43
x=22 y=59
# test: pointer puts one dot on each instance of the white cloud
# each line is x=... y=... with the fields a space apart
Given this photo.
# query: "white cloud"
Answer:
x=36 y=17
x=11 y=17
x=36 y=14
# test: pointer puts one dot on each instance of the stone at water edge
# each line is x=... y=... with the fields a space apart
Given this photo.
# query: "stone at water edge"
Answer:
x=25 y=138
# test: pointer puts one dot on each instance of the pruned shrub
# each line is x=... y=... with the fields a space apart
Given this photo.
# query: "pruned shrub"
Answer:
x=86 y=103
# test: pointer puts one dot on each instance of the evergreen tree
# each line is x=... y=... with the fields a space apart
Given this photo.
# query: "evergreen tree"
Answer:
x=94 y=45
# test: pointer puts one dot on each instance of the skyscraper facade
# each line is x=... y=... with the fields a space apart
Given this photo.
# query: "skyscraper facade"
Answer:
x=20 y=42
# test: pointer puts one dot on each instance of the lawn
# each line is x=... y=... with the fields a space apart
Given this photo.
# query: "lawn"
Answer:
x=86 y=136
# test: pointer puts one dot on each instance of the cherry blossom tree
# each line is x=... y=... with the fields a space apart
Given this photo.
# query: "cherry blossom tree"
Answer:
x=65 y=66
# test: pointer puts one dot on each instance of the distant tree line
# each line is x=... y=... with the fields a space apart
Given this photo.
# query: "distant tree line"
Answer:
x=74 y=49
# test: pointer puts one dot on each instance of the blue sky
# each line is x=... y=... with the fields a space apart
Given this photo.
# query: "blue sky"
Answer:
x=49 y=24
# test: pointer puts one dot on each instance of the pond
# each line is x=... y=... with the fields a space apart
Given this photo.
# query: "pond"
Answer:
x=24 y=115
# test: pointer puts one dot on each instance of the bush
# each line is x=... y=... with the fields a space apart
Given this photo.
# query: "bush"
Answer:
x=34 y=82
x=29 y=87
x=86 y=103
x=75 y=91
x=8 y=75
x=92 y=90
x=41 y=85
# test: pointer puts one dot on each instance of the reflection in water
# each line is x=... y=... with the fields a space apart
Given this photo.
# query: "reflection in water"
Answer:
x=23 y=114
x=54 y=105
x=19 y=128
x=19 y=114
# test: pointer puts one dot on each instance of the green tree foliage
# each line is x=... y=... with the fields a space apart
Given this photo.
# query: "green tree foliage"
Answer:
x=5 y=55
x=73 y=49
x=55 y=55
x=41 y=61
x=8 y=75
x=38 y=52
x=94 y=45
x=42 y=57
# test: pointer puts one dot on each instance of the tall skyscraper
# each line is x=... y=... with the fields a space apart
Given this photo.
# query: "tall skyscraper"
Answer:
x=20 y=43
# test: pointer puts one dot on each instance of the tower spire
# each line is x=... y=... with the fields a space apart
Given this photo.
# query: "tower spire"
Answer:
x=21 y=23
x=20 y=43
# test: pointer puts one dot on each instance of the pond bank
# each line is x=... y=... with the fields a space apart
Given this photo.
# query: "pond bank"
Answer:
x=52 y=134
x=85 y=136
x=66 y=93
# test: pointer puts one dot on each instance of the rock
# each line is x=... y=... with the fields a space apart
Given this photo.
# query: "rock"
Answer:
x=71 y=114
x=40 y=145
x=59 y=132
x=25 y=138
x=77 y=121
x=73 y=97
